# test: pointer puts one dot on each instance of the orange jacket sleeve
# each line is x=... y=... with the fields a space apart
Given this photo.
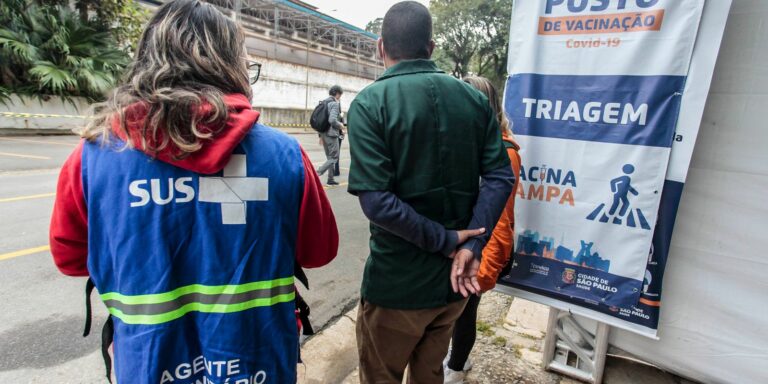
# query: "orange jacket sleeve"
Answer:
x=499 y=249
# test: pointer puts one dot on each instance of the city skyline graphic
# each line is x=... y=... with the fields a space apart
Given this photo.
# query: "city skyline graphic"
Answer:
x=531 y=243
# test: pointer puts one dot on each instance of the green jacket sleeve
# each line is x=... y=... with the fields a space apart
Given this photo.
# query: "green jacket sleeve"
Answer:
x=371 y=166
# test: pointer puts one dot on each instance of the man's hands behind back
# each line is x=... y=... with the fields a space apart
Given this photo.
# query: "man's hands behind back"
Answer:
x=465 y=266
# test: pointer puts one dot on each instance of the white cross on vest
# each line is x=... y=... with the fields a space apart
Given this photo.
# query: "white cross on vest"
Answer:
x=233 y=190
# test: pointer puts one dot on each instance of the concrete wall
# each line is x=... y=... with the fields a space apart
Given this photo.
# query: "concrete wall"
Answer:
x=321 y=56
x=32 y=116
x=281 y=92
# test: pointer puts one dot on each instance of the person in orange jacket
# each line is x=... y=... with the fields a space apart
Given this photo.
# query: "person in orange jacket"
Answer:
x=496 y=253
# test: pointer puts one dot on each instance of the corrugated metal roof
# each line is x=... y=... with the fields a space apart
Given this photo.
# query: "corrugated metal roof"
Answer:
x=312 y=12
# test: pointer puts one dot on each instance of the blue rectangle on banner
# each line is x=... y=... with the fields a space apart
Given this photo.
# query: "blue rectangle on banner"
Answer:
x=574 y=280
x=638 y=110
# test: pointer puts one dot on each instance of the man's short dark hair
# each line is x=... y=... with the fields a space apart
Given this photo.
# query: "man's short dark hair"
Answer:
x=335 y=90
x=407 y=31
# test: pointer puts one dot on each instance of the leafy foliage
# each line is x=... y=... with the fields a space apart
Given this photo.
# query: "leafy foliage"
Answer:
x=374 y=26
x=472 y=37
x=5 y=95
x=123 y=18
x=48 y=48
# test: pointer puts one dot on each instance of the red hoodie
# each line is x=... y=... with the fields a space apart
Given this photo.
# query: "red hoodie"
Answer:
x=318 y=237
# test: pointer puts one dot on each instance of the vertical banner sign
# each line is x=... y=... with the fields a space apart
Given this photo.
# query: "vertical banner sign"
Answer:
x=594 y=95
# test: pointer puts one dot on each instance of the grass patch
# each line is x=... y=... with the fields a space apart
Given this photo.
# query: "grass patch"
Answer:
x=517 y=349
x=485 y=329
x=499 y=341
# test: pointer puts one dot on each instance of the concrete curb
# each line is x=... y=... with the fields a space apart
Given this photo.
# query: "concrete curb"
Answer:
x=331 y=355
x=35 y=132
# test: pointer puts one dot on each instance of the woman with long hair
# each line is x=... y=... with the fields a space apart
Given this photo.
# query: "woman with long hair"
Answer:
x=188 y=215
x=496 y=253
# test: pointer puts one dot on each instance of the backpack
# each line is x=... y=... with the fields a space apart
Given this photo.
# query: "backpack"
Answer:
x=319 y=119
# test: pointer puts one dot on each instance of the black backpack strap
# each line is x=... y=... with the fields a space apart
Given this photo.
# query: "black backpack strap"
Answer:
x=300 y=361
x=298 y=272
x=301 y=304
x=303 y=308
x=89 y=285
x=107 y=336
x=107 y=332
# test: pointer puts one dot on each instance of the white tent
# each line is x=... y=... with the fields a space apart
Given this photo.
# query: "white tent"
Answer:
x=714 y=317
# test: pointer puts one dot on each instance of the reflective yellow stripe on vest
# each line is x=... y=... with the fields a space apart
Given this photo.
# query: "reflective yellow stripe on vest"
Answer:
x=164 y=307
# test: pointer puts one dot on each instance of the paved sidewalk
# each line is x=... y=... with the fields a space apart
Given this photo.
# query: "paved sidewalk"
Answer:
x=331 y=354
x=510 y=337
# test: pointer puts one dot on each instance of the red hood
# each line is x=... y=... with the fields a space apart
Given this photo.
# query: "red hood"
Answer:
x=215 y=153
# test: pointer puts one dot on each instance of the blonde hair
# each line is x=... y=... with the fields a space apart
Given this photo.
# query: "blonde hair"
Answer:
x=486 y=87
x=189 y=56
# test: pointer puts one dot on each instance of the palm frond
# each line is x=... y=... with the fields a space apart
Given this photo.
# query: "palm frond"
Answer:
x=111 y=59
x=52 y=78
x=5 y=96
x=48 y=49
x=95 y=82
x=15 y=46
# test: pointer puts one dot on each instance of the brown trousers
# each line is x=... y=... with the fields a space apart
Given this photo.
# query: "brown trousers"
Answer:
x=389 y=339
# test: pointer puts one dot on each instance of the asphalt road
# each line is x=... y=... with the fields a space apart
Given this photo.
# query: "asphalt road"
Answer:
x=43 y=312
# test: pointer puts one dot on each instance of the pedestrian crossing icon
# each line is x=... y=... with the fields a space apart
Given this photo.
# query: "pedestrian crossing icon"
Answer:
x=621 y=212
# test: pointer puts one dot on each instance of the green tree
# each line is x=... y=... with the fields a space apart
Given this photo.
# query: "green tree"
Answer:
x=374 y=26
x=473 y=36
x=456 y=32
x=494 y=48
x=125 y=19
x=49 y=50
x=442 y=60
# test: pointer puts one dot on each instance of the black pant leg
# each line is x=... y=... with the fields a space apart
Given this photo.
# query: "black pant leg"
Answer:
x=337 y=171
x=464 y=334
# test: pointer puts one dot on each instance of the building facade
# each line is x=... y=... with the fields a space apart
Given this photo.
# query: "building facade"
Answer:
x=303 y=53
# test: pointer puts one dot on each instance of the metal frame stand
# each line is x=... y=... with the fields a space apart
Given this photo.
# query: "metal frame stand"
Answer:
x=573 y=351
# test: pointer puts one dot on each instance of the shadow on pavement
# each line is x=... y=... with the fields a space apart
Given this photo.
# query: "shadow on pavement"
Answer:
x=48 y=342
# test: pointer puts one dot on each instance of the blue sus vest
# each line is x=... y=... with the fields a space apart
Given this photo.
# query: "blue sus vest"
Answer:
x=197 y=270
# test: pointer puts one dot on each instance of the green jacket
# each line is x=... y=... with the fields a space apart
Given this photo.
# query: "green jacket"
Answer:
x=427 y=137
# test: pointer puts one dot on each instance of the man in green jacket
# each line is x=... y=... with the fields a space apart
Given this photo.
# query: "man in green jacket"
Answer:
x=420 y=142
